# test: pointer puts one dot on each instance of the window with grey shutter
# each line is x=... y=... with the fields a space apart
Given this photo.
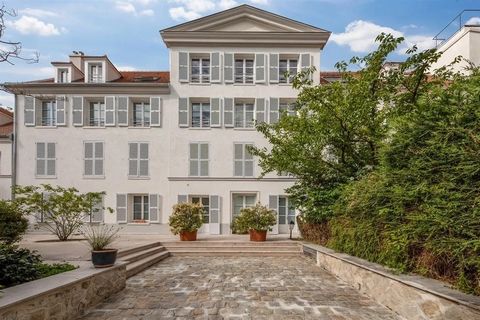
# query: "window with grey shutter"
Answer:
x=243 y=160
x=228 y=112
x=154 y=207
x=215 y=112
x=260 y=67
x=183 y=60
x=93 y=158
x=305 y=61
x=183 y=114
x=228 y=67
x=215 y=65
x=198 y=159
x=274 y=107
x=110 y=111
x=122 y=111
x=155 y=111
x=138 y=159
x=29 y=111
x=215 y=214
x=260 y=110
x=77 y=111
x=273 y=69
x=61 y=104
x=45 y=159
x=121 y=208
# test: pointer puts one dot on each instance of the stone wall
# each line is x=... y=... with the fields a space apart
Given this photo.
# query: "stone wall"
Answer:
x=412 y=297
x=63 y=296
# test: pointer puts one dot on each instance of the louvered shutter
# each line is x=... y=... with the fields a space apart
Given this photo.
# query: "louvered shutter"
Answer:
x=215 y=214
x=260 y=110
x=274 y=107
x=88 y=158
x=228 y=67
x=260 y=68
x=155 y=111
x=97 y=211
x=40 y=161
x=305 y=62
x=110 y=111
x=273 y=72
x=183 y=114
x=215 y=67
x=51 y=162
x=77 y=111
x=181 y=198
x=121 y=208
x=122 y=111
x=143 y=161
x=61 y=104
x=228 y=112
x=99 y=156
x=215 y=113
x=133 y=159
x=194 y=156
x=273 y=204
x=183 y=62
x=154 y=207
x=29 y=111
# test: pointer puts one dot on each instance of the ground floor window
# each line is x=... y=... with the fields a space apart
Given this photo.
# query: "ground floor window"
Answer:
x=241 y=201
x=286 y=211
x=205 y=201
x=140 y=207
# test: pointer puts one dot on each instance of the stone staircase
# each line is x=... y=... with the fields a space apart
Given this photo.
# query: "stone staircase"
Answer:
x=233 y=248
x=141 y=257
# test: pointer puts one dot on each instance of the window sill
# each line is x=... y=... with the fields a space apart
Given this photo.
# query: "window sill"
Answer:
x=245 y=84
x=199 y=128
x=46 y=127
x=45 y=177
x=138 y=127
x=94 y=127
x=138 y=178
x=94 y=177
x=133 y=223
x=200 y=83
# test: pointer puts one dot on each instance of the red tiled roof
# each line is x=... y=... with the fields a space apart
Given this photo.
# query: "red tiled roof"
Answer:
x=6 y=129
x=144 y=76
x=6 y=112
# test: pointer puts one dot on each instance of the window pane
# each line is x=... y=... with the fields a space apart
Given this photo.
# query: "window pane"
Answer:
x=193 y=167
x=204 y=168
x=250 y=200
x=239 y=120
x=88 y=150
x=248 y=168
x=196 y=115
x=205 y=115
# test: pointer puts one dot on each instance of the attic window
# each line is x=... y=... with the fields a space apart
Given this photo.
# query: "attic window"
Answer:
x=62 y=76
x=95 y=72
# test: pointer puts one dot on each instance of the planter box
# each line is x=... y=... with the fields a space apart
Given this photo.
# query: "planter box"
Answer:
x=412 y=297
x=63 y=296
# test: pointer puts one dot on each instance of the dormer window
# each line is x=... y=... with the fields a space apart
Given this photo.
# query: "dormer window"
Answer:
x=95 y=72
x=62 y=75
x=200 y=70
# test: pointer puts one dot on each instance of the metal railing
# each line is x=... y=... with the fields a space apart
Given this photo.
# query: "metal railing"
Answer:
x=461 y=20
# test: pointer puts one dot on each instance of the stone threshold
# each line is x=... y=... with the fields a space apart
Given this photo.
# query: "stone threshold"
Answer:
x=364 y=275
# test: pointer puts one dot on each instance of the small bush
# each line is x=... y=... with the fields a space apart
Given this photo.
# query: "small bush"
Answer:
x=47 y=270
x=12 y=222
x=258 y=218
x=100 y=237
x=186 y=217
x=18 y=265
x=236 y=228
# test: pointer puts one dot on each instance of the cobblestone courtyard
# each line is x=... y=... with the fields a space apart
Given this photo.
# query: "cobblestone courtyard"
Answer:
x=238 y=288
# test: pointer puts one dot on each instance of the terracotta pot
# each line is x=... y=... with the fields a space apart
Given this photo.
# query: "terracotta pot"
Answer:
x=104 y=258
x=258 y=235
x=188 y=235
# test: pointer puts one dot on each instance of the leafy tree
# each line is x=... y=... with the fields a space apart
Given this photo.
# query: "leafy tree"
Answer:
x=64 y=209
x=338 y=128
x=13 y=223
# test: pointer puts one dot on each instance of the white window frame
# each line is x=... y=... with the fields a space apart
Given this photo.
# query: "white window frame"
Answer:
x=199 y=159
x=92 y=122
x=243 y=159
x=94 y=159
x=97 y=78
x=143 y=212
x=201 y=122
x=243 y=75
x=53 y=119
x=142 y=123
x=285 y=105
x=287 y=214
x=201 y=77
x=243 y=195
x=46 y=159
x=200 y=198
x=138 y=160
x=244 y=111
x=281 y=75
x=63 y=75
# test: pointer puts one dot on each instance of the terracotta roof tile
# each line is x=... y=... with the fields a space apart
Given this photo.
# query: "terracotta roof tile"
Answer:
x=144 y=76
x=6 y=129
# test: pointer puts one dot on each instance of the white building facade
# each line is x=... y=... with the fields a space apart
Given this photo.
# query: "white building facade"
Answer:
x=153 y=139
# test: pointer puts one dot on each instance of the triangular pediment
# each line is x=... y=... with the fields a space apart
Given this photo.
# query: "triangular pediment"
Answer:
x=244 y=18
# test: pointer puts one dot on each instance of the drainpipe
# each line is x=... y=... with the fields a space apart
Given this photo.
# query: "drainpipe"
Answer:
x=13 y=138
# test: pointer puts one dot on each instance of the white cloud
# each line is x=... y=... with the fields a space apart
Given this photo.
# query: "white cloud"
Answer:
x=259 y=2
x=31 y=25
x=126 y=68
x=227 y=4
x=125 y=7
x=360 y=36
x=179 y=13
x=197 y=6
x=194 y=9
x=40 y=13
x=129 y=7
x=7 y=100
x=147 y=12
x=473 y=21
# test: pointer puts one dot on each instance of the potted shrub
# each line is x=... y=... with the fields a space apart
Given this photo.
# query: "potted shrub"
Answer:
x=257 y=220
x=99 y=237
x=186 y=219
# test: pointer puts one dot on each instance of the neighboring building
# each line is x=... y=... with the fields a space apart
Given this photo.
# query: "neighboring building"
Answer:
x=153 y=139
x=6 y=131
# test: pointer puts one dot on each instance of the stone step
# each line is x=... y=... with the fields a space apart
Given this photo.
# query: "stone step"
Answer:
x=210 y=243
x=232 y=248
x=142 y=254
x=128 y=251
x=242 y=253
x=140 y=265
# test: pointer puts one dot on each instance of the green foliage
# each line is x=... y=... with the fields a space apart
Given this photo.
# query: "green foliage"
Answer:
x=236 y=227
x=17 y=265
x=186 y=217
x=13 y=224
x=258 y=218
x=99 y=237
x=47 y=270
x=63 y=209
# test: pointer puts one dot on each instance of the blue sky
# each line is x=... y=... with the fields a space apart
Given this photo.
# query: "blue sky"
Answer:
x=127 y=30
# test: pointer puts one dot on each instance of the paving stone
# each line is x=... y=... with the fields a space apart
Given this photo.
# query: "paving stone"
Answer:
x=238 y=288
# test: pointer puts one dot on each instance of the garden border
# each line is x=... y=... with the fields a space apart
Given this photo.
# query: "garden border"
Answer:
x=62 y=296
x=411 y=296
